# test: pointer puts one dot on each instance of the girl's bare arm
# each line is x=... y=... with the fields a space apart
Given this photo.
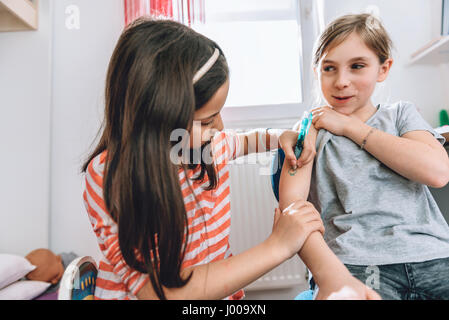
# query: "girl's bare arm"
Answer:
x=220 y=279
x=315 y=253
x=262 y=140
x=217 y=280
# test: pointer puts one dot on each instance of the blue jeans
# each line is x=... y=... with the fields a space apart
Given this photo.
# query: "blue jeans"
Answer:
x=428 y=280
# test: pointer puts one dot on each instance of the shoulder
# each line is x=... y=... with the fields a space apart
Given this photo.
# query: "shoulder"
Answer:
x=95 y=170
x=225 y=143
x=227 y=136
x=400 y=113
x=399 y=107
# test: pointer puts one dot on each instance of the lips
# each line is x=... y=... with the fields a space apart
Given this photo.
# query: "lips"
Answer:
x=342 y=98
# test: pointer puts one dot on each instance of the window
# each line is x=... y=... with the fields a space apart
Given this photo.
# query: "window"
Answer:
x=268 y=45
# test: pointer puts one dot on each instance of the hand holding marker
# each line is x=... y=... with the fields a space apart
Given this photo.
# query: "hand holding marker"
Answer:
x=305 y=126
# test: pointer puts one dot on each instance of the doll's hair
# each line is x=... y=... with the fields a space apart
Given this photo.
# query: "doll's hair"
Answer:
x=367 y=26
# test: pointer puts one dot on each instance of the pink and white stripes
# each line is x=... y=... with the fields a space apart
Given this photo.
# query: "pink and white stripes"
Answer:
x=185 y=11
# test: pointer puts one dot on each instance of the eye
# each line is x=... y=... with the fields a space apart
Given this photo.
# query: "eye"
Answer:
x=357 y=66
x=207 y=123
x=328 y=68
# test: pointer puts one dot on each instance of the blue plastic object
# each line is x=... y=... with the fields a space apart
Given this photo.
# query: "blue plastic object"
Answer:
x=305 y=295
x=85 y=288
x=306 y=122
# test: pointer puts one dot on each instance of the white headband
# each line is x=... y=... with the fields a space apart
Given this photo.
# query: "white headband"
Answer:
x=200 y=73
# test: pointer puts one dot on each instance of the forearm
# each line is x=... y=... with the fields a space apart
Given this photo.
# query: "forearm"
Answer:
x=315 y=253
x=414 y=160
x=260 y=140
x=294 y=185
x=218 y=280
x=321 y=261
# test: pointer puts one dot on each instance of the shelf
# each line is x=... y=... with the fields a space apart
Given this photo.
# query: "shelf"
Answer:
x=18 y=15
x=436 y=52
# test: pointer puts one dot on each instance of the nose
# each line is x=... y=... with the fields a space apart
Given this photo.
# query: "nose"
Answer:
x=219 y=123
x=342 y=81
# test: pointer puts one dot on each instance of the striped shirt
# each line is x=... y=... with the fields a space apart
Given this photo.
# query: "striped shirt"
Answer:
x=209 y=222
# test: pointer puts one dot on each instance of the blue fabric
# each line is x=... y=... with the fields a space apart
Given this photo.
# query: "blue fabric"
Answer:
x=406 y=281
x=276 y=168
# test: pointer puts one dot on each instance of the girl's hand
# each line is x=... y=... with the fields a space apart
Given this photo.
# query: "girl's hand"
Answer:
x=345 y=287
x=331 y=120
x=288 y=140
x=292 y=227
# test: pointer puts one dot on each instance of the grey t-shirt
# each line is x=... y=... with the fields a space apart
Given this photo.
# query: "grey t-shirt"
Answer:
x=372 y=215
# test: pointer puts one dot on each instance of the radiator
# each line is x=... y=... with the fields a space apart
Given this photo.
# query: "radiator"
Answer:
x=252 y=207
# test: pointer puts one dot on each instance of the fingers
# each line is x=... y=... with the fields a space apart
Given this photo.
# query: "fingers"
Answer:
x=317 y=113
x=299 y=205
x=322 y=229
x=321 y=108
x=305 y=213
x=313 y=226
x=291 y=158
x=309 y=218
x=307 y=155
x=313 y=222
x=316 y=117
x=277 y=215
x=294 y=206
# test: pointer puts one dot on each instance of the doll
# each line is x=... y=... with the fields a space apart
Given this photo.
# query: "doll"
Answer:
x=49 y=267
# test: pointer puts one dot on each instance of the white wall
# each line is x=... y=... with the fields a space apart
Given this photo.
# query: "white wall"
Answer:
x=411 y=24
x=25 y=99
x=80 y=61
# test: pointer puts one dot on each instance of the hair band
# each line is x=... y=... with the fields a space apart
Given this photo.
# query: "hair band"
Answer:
x=204 y=69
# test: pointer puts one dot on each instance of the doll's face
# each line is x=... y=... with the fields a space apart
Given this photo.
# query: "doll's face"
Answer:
x=49 y=267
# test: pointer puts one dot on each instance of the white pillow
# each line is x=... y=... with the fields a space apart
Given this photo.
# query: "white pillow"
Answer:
x=13 y=268
x=23 y=290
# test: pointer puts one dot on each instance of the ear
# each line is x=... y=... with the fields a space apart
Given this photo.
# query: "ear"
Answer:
x=384 y=70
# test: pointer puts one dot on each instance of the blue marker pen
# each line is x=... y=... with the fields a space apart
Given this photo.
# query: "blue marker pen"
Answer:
x=305 y=126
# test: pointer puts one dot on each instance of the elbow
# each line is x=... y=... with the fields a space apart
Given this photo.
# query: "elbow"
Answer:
x=438 y=176
x=440 y=180
x=437 y=184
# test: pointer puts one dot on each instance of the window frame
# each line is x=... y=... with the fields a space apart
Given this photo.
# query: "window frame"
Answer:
x=284 y=115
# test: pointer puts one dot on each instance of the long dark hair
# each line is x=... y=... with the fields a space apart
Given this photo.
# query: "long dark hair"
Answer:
x=149 y=93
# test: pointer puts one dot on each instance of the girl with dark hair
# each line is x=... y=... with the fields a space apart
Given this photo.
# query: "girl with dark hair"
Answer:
x=160 y=213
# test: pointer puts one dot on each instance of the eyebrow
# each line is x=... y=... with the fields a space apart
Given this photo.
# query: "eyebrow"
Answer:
x=352 y=60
